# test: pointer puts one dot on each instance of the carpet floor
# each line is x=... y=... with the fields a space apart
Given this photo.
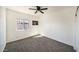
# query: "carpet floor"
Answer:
x=37 y=44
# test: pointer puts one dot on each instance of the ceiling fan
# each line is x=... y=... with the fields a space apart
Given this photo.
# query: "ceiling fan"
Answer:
x=38 y=8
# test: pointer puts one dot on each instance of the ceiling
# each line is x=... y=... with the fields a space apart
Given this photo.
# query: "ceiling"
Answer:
x=25 y=9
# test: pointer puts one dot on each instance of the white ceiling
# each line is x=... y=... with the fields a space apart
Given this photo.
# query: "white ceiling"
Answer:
x=25 y=9
x=21 y=9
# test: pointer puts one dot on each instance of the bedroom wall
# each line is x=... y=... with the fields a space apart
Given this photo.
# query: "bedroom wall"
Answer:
x=2 y=28
x=58 y=23
x=12 y=33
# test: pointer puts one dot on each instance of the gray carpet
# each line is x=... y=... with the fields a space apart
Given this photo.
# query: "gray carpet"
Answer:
x=37 y=44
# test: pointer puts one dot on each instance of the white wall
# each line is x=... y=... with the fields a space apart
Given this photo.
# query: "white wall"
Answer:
x=2 y=28
x=58 y=23
x=12 y=34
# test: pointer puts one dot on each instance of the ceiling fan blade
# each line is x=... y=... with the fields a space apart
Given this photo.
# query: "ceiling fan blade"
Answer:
x=41 y=12
x=32 y=9
x=36 y=12
x=76 y=10
x=44 y=8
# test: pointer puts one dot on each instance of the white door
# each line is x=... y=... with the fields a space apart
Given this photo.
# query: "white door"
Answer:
x=77 y=32
x=2 y=28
